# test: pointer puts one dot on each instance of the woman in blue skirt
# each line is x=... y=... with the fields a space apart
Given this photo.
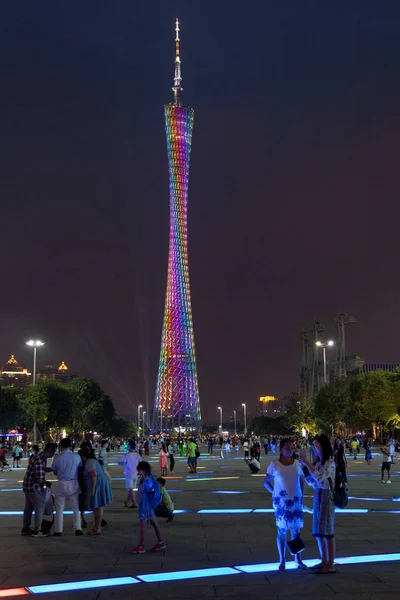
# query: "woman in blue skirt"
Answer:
x=98 y=487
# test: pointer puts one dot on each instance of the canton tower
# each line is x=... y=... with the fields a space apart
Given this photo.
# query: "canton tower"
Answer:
x=177 y=401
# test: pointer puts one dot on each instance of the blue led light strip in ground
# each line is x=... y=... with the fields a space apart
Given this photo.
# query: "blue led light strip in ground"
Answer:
x=222 y=511
x=81 y=585
x=193 y=574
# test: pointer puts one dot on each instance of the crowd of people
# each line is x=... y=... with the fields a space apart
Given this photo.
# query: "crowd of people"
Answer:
x=83 y=480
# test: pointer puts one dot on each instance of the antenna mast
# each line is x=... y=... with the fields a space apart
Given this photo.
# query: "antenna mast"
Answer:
x=177 y=89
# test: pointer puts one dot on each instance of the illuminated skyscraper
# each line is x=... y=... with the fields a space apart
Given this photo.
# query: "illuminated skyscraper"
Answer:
x=177 y=395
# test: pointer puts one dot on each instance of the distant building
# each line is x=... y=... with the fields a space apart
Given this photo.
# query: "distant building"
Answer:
x=12 y=374
x=368 y=367
x=270 y=406
x=61 y=373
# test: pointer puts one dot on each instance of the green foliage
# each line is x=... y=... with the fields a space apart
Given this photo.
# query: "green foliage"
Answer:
x=10 y=411
x=266 y=425
x=359 y=402
x=79 y=406
x=332 y=405
x=91 y=408
x=121 y=428
x=299 y=413
x=374 y=397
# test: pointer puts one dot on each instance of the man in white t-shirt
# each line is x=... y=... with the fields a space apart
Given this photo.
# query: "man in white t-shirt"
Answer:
x=130 y=461
x=386 y=462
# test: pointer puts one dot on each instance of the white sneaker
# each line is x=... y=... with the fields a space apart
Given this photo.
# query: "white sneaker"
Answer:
x=39 y=534
x=388 y=481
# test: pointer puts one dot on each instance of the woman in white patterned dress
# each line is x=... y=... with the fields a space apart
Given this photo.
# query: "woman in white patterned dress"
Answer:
x=287 y=478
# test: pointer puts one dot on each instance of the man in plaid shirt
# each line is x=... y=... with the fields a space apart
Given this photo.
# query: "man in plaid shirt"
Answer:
x=34 y=487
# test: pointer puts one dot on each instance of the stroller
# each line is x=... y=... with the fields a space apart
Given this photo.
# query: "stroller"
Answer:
x=48 y=511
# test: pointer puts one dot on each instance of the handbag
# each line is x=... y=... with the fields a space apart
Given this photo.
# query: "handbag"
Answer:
x=339 y=492
x=296 y=546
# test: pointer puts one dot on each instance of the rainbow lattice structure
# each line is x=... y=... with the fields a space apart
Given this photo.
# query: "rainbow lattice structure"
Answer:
x=177 y=394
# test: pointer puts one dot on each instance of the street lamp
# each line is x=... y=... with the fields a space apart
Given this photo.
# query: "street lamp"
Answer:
x=220 y=418
x=244 y=417
x=144 y=412
x=324 y=346
x=234 y=420
x=35 y=344
x=138 y=419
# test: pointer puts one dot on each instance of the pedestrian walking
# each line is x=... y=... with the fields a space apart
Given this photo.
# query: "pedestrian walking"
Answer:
x=285 y=481
x=170 y=452
x=163 y=460
x=130 y=461
x=321 y=477
x=66 y=466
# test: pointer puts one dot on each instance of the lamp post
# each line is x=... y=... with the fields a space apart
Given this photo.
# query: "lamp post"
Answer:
x=138 y=419
x=324 y=346
x=35 y=344
x=220 y=419
x=144 y=412
x=245 y=418
x=234 y=420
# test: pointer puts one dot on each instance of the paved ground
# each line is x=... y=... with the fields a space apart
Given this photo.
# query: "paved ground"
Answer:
x=199 y=541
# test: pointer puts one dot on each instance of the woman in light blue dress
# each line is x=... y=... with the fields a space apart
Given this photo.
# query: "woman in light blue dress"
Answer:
x=99 y=493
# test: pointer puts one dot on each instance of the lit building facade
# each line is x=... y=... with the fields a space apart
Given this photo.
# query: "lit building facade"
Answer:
x=270 y=406
x=13 y=375
x=61 y=373
x=177 y=403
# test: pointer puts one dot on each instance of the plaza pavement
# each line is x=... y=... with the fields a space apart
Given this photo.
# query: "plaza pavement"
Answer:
x=203 y=541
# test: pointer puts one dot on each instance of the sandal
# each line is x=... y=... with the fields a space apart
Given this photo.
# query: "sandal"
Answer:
x=94 y=532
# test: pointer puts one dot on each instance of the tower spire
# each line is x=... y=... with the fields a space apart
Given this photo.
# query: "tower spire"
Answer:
x=177 y=89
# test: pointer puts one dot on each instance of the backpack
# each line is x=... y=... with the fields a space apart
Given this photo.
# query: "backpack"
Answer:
x=154 y=495
x=340 y=496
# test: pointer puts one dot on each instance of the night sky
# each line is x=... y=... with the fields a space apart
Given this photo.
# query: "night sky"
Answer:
x=293 y=198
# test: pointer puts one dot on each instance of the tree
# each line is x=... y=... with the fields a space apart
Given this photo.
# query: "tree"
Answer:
x=121 y=428
x=268 y=426
x=299 y=413
x=91 y=408
x=10 y=410
x=374 y=398
x=49 y=403
x=332 y=405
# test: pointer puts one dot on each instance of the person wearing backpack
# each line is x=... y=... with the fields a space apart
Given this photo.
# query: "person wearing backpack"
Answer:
x=322 y=477
x=148 y=498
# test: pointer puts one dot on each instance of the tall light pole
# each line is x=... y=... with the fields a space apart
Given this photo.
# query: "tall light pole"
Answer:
x=144 y=412
x=138 y=419
x=220 y=418
x=234 y=420
x=324 y=346
x=245 y=418
x=35 y=344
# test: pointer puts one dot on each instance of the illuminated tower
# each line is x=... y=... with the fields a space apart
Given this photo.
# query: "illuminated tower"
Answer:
x=177 y=395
